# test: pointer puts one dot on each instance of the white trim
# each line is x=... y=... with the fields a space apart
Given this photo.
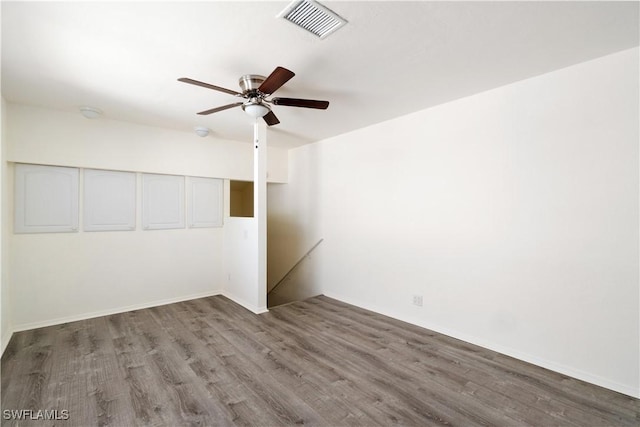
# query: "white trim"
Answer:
x=544 y=363
x=252 y=308
x=5 y=341
x=157 y=303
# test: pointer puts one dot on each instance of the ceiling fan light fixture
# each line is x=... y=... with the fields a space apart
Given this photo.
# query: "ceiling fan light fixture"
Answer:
x=255 y=109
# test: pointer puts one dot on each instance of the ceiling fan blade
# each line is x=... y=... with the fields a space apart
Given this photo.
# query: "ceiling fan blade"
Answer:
x=208 y=86
x=224 y=107
x=271 y=119
x=306 y=103
x=276 y=79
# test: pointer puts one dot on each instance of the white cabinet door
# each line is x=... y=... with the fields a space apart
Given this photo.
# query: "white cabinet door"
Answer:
x=109 y=200
x=46 y=199
x=205 y=202
x=162 y=202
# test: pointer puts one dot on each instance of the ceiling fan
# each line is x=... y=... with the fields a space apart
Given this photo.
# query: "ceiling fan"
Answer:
x=255 y=90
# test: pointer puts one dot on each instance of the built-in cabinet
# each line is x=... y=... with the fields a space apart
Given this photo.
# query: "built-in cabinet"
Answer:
x=109 y=200
x=162 y=202
x=205 y=199
x=48 y=200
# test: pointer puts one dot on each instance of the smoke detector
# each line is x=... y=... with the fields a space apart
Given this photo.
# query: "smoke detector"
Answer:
x=313 y=17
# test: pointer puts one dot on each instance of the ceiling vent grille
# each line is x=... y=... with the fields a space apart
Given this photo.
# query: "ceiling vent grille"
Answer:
x=313 y=17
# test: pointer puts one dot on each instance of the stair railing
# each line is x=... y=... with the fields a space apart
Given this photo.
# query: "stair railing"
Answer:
x=286 y=276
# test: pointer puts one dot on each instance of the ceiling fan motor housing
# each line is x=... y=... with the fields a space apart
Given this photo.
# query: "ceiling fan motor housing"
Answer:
x=250 y=82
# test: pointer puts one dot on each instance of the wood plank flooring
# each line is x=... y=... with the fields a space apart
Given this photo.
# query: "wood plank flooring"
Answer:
x=209 y=362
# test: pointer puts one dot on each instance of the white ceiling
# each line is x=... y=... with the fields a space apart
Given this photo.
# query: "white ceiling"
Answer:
x=392 y=58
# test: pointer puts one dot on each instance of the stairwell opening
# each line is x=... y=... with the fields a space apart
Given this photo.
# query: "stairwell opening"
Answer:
x=241 y=199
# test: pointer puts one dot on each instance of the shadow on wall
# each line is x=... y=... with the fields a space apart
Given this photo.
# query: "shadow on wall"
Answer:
x=292 y=264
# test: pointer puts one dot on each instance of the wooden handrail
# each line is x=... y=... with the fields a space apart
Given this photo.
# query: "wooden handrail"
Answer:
x=295 y=266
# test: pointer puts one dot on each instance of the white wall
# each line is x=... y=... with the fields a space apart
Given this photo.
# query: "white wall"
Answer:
x=70 y=276
x=46 y=136
x=5 y=306
x=245 y=238
x=294 y=218
x=514 y=213
x=61 y=277
x=240 y=262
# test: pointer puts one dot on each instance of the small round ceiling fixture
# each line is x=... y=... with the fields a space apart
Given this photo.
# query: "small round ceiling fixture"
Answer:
x=201 y=131
x=90 y=112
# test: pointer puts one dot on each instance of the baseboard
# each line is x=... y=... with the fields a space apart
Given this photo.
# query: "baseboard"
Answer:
x=91 y=315
x=6 y=337
x=547 y=364
x=252 y=308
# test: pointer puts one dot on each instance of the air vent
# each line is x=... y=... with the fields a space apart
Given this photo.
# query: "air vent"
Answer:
x=313 y=17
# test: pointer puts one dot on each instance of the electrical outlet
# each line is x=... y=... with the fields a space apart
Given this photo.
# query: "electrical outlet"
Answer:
x=417 y=300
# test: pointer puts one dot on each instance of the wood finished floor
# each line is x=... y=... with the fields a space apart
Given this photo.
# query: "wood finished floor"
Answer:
x=318 y=362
